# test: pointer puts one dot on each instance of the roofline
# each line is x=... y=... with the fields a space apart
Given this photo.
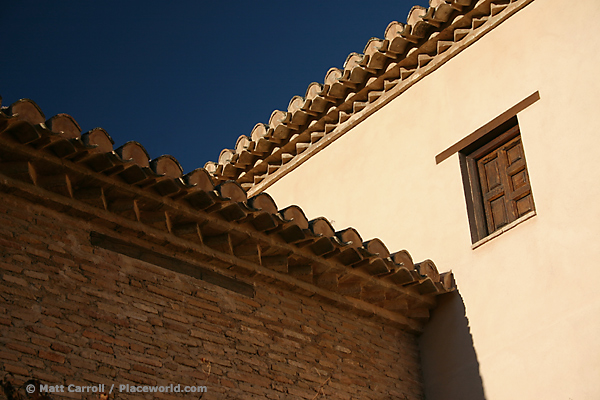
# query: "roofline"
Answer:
x=149 y=204
x=368 y=84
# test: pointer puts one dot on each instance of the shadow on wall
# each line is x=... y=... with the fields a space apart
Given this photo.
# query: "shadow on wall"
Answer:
x=448 y=358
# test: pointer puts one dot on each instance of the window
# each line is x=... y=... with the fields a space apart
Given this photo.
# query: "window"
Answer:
x=496 y=181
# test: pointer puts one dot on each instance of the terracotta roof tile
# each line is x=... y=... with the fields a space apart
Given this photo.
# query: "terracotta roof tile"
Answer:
x=211 y=217
x=386 y=68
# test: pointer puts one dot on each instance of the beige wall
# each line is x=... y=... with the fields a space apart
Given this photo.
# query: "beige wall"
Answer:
x=531 y=294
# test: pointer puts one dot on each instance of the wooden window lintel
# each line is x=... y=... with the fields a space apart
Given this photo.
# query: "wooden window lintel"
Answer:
x=493 y=124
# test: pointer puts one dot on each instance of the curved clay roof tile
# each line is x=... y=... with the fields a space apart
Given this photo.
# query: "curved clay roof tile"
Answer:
x=463 y=3
x=296 y=103
x=427 y=268
x=225 y=156
x=295 y=214
x=436 y=15
x=199 y=178
x=443 y=12
x=27 y=110
x=358 y=74
x=277 y=117
x=333 y=75
x=65 y=125
x=352 y=61
x=210 y=166
x=242 y=143
x=372 y=46
x=135 y=152
x=393 y=30
x=167 y=165
x=378 y=59
x=415 y=15
x=321 y=226
x=421 y=29
x=403 y=258
x=313 y=90
x=337 y=89
x=259 y=131
x=350 y=237
x=281 y=132
x=435 y=3
x=263 y=202
x=232 y=190
x=376 y=246
x=398 y=45
x=100 y=138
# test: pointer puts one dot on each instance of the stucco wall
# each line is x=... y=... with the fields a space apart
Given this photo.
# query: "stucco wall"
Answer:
x=530 y=294
x=75 y=314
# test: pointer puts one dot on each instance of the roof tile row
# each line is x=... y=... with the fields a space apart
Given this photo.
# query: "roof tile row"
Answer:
x=405 y=50
x=54 y=155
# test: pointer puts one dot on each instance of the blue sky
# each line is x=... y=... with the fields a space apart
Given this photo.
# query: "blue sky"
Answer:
x=185 y=78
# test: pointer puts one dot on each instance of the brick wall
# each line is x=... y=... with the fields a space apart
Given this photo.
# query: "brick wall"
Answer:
x=71 y=313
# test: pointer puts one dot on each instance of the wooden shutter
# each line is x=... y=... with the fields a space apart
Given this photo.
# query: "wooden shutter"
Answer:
x=505 y=189
x=499 y=182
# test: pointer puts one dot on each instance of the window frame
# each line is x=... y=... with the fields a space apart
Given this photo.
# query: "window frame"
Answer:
x=476 y=139
x=479 y=217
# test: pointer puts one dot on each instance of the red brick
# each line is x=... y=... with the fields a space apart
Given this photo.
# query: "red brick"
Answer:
x=79 y=320
x=44 y=376
x=21 y=348
x=145 y=307
x=185 y=361
x=10 y=244
x=146 y=360
x=68 y=328
x=46 y=355
x=102 y=348
x=165 y=293
x=246 y=349
x=144 y=328
x=176 y=317
x=204 y=305
x=105 y=358
x=173 y=326
x=155 y=321
x=33 y=362
x=250 y=378
x=78 y=362
x=300 y=393
x=61 y=348
x=137 y=378
x=29 y=294
x=74 y=275
x=137 y=347
x=14 y=279
x=15 y=369
x=9 y=355
x=62 y=370
x=40 y=342
x=42 y=330
x=38 y=252
x=96 y=335
x=11 y=267
x=144 y=369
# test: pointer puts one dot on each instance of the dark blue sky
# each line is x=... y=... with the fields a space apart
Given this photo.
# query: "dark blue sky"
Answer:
x=184 y=78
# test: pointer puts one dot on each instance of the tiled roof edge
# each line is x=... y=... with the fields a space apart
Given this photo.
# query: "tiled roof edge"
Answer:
x=156 y=194
x=367 y=81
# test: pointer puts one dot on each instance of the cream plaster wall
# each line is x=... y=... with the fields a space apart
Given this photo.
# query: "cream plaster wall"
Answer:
x=531 y=294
